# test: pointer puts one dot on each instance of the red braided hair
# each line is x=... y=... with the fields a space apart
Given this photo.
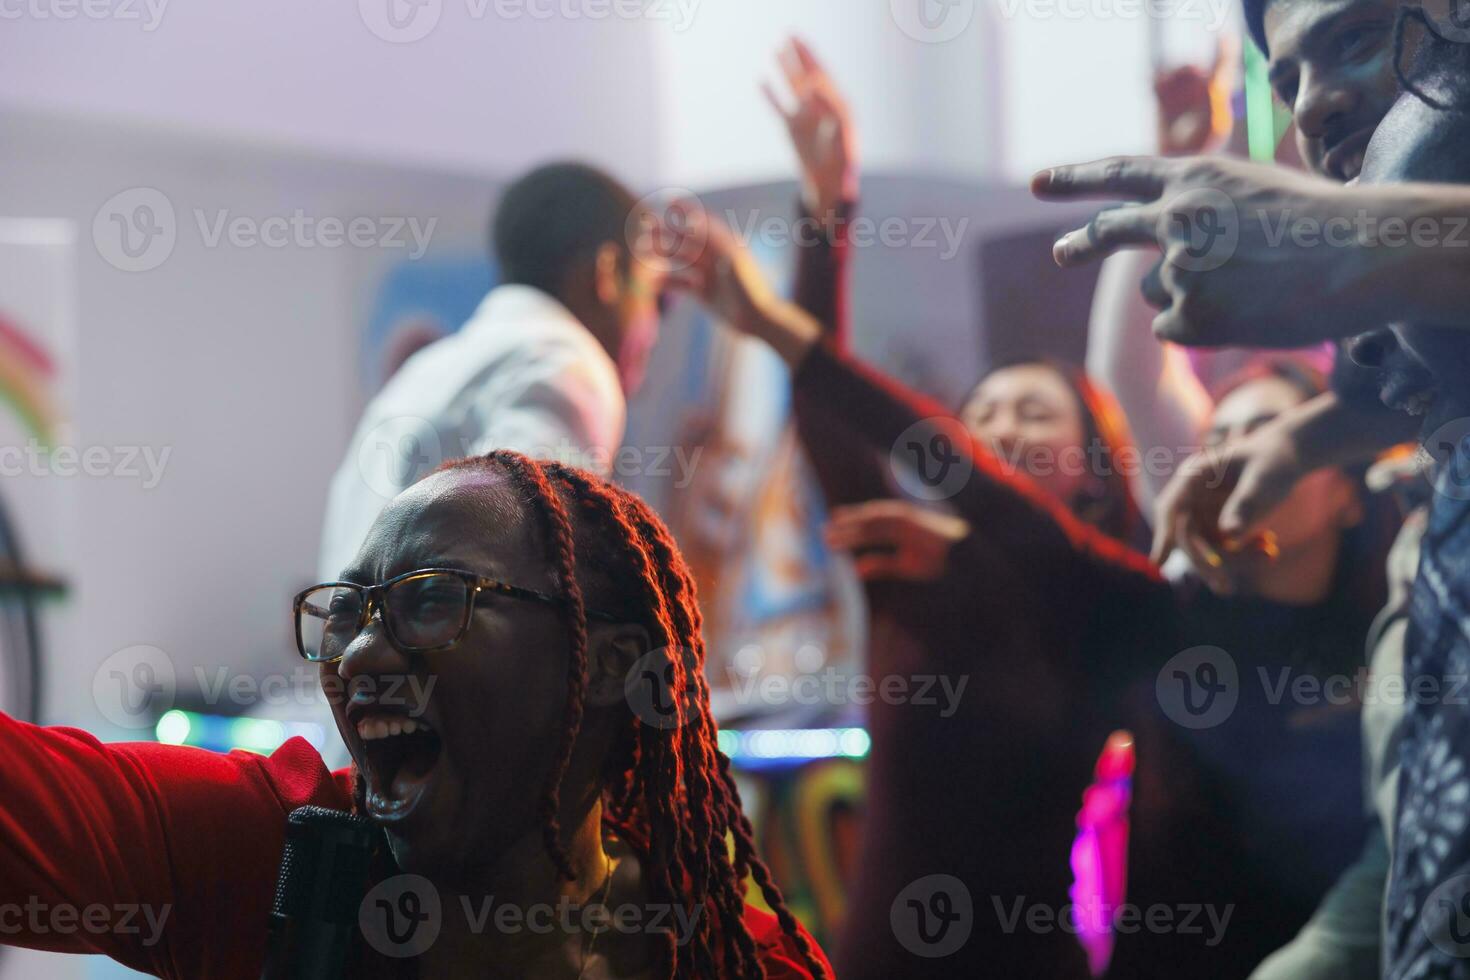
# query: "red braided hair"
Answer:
x=670 y=783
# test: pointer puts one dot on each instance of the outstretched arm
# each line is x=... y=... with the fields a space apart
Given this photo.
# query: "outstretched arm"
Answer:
x=158 y=856
x=1026 y=547
x=1261 y=256
x=911 y=432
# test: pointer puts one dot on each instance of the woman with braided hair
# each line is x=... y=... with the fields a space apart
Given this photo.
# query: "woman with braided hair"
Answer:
x=514 y=660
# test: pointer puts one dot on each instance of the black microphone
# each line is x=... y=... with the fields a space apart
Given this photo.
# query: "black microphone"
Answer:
x=323 y=878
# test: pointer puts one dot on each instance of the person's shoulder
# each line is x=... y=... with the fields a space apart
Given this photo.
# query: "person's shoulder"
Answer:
x=779 y=952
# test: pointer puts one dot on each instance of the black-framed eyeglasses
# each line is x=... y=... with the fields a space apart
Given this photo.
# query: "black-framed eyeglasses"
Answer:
x=422 y=611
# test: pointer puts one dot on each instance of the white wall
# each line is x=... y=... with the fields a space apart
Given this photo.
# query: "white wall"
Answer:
x=484 y=94
x=996 y=89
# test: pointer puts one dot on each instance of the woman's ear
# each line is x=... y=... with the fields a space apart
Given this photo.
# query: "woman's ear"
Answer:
x=612 y=650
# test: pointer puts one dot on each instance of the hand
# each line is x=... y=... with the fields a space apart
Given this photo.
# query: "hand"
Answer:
x=1217 y=502
x=1194 y=108
x=894 y=539
x=707 y=260
x=1240 y=265
x=821 y=131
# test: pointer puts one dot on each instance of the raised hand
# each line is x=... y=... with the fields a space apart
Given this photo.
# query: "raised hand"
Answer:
x=1194 y=107
x=821 y=130
x=706 y=259
x=709 y=262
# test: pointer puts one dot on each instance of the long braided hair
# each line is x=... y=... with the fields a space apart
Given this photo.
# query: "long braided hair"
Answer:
x=667 y=783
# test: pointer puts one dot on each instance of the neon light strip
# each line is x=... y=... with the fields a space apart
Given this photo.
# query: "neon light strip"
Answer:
x=1260 y=112
x=221 y=733
x=765 y=746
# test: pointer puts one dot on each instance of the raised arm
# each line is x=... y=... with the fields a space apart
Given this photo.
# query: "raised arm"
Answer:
x=822 y=133
x=1163 y=400
x=1165 y=403
x=932 y=452
x=1034 y=533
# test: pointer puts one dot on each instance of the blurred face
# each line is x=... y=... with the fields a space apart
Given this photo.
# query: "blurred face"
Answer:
x=1423 y=369
x=1321 y=503
x=1332 y=66
x=461 y=796
x=640 y=307
x=1031 y=420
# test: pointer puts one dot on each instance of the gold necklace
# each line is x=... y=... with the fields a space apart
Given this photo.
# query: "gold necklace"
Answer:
x=592 y=943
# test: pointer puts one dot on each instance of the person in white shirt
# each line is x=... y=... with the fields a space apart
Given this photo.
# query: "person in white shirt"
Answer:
x=543 y=367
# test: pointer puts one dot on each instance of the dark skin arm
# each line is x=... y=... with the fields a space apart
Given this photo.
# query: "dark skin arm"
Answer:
x=1231 y=276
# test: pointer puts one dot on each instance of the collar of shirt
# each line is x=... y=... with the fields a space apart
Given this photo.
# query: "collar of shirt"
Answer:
x=530 y=312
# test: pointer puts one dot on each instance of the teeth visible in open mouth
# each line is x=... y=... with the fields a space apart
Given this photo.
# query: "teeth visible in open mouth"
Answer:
x=373 y=729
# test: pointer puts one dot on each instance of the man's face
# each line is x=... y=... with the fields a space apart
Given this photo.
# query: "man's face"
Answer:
x=1332 y=65
x=1423 y=369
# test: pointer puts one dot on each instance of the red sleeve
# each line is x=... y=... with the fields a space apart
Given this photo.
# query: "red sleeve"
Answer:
x=822 y=262
x=847 y=467
x=161 y=857
x=1011 y=515
x=779 y=953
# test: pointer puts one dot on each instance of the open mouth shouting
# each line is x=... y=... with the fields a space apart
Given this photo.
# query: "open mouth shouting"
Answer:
x=399 y=756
